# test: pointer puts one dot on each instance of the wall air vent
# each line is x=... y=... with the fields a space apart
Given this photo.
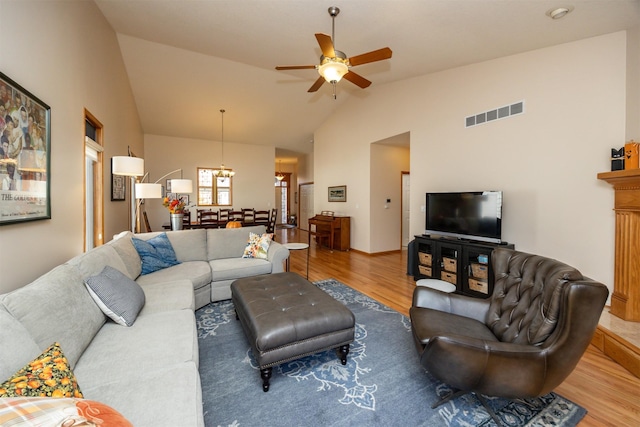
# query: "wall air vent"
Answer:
x=495 y=114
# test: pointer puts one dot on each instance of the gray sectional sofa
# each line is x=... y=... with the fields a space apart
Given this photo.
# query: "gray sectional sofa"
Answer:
x=148 y=371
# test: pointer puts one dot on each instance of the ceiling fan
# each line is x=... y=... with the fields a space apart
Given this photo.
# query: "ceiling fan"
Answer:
x=334 y=64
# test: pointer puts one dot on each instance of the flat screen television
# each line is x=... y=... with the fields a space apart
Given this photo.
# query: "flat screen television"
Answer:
x=472 y=215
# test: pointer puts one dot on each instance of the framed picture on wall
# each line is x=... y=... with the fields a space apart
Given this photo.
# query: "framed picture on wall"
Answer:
x=338 y=193
x=118 y=186
x=25 y=161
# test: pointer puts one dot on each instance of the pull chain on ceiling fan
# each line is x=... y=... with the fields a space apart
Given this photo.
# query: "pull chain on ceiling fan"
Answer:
x=334 y=64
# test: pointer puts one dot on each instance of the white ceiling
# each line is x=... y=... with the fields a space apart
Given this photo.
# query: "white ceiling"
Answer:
x=187 y=59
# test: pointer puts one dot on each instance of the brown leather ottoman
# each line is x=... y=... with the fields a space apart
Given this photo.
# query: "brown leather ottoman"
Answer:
x=286 y=317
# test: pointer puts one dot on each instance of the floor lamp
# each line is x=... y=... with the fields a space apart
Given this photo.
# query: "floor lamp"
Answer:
x=132 y=167
x=154 y=191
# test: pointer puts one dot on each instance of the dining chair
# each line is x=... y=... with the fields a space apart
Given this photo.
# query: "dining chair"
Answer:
x=271 y=226
x=223 y=216
x=209 y=219
x=248 y=217
x=235 y=215
x=261 y=217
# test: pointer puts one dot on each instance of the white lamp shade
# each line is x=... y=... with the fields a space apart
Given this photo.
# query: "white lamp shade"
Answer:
x=148 y=191
x=181 y=186
x=129 y=166
x=332 y=71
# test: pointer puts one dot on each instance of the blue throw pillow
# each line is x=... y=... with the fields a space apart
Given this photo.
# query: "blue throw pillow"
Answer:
x=156 y=253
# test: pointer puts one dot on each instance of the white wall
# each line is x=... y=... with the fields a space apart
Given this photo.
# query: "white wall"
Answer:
x=545 y=160
x=633 y=84
x=67 y=55
x=253 y=164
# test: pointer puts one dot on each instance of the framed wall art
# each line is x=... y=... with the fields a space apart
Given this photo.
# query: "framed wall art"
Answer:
x=338 y=193
x=118 y=186
x=25 y=155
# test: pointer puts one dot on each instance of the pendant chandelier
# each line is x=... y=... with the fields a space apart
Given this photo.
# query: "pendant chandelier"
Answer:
x=279 y=176
x=222 y=172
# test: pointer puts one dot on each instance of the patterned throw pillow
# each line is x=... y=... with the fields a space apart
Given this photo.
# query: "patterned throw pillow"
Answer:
x=258 y=246
x=156 y=253
x=118 y=297
x=42 y=411
x=48 y=375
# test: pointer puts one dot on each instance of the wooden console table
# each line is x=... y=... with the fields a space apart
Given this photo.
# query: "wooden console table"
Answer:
x=625 y=301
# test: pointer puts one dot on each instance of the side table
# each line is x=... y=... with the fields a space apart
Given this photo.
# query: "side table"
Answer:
x=294 y=246
x=437 y=284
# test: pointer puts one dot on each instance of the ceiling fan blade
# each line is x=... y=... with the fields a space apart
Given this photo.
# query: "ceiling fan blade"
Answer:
x=357 y=79
x=373 y=56
x=326 y=45
x=317 y=84
x=296 y=67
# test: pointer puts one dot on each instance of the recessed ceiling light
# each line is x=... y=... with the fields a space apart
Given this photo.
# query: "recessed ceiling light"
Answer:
x=559 y=12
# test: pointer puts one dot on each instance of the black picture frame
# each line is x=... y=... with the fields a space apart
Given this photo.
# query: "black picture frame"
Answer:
x=25 y=155
x=118 y=186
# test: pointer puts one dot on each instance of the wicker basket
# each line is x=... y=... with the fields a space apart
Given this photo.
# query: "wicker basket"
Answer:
x=424 y=258
x=479 y=271
x=425 y=271
x=479 y=286
x=450 y=264
x=449 y=277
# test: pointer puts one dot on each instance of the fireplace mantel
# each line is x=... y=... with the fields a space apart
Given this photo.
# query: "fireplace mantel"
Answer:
x=625 y=301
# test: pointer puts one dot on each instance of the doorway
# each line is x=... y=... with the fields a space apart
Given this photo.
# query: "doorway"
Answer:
x=93 y=179
x=306 y=205
x=283 y=196
x=406 y=209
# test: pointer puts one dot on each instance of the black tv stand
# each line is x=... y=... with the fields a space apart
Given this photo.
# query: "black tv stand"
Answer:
x=465 y=263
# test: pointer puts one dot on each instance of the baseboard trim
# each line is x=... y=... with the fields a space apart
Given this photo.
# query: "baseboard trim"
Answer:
x=395 y=251
x=620 y=350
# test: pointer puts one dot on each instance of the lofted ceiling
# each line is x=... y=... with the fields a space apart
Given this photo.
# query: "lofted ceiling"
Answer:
x=187 y=59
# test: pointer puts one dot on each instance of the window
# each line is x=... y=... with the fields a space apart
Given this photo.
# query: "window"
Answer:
x=213 y=191
x=282 y=195
x=93 y=167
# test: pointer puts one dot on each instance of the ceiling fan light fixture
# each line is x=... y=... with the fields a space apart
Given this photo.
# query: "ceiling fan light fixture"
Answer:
x=333 y=69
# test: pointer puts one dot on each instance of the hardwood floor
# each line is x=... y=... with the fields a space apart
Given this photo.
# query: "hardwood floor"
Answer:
x=610 y=393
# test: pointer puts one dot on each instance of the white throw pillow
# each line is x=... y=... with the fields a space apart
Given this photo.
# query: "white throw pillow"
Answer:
x=258 y=246
x=119 y=297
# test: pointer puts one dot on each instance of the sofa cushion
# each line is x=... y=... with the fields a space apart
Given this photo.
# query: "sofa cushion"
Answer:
x=156 y=253
x=118 y=297
x=198 y=272
x=158 y=339
x=229 y=242
x=124 y=247
x=48 y=375
x=236 y=268
x=160 y=395
x=258 y=246
x=167 y=296
x=92 y=262
x=57 y=307
x=189 y=245
x=17 y=346
x=46 y=411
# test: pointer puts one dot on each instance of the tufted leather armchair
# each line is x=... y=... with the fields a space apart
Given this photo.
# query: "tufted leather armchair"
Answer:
x=523 y=341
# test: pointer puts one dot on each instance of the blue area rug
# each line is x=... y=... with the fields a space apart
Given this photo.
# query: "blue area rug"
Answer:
x=383 y=383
